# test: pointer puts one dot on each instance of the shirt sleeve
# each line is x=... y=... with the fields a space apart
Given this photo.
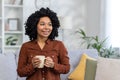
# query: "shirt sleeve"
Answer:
x=24 y=68
x=63 y=66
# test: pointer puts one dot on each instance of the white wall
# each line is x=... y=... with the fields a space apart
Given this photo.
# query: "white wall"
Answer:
x=93 y=17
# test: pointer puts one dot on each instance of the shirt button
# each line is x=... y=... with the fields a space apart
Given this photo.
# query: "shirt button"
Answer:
x=43 y=71
x=43 y=79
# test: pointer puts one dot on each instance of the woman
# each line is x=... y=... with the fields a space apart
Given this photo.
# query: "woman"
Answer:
x=42 y=28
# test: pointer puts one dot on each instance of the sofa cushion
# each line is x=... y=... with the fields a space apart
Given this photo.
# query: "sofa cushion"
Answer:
x=7 y=67
x=75 y=56
x=79 y=72
x=90 y=70
x=108 y=69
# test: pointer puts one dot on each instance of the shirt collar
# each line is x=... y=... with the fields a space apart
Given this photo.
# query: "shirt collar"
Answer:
x=47 y=41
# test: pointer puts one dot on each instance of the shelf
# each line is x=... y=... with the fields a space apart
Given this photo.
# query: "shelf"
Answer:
x=13 y=6
x=9 y=12
x=13 y=46
x=13 y=32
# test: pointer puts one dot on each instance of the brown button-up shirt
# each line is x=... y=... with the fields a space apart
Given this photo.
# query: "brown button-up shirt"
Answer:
x=54 y=49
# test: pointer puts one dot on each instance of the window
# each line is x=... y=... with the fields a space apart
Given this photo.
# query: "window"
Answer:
x=113 y=21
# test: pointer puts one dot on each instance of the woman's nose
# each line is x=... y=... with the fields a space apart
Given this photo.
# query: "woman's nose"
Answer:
x=46 y=26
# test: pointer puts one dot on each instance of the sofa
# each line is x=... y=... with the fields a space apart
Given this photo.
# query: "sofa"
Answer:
x=8 y=63
x=95 y=68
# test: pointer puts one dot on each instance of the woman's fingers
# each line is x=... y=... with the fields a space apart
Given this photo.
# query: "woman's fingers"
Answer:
x=49 y=62
x=35 y=62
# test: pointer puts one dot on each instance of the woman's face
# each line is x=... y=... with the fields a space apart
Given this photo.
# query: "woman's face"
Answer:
x=44 y=27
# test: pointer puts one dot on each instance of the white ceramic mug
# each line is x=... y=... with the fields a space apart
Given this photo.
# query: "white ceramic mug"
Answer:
x=42 y=59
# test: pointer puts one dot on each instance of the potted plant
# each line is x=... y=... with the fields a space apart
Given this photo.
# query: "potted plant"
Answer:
x=95 y=43
x=11 y=40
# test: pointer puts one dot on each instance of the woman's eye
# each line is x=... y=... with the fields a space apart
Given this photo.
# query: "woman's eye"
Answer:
x=42 y=24
x=50 y=24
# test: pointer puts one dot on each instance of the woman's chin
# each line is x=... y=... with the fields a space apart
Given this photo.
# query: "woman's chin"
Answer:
x=45 y=36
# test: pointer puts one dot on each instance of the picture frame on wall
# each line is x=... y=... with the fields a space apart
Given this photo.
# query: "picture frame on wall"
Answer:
x=15 y=2
x=13 y=24
x=18 y=2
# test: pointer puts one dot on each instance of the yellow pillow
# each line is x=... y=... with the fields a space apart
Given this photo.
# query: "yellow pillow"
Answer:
x=79 y=72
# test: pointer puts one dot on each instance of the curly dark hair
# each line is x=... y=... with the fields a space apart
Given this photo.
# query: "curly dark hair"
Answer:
x=33 y=19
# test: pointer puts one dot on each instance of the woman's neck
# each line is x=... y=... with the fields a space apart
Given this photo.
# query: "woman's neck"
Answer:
x=41 y=42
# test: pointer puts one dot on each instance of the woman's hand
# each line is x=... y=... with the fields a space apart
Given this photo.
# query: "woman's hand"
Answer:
x=36 y=62
x=49 y=62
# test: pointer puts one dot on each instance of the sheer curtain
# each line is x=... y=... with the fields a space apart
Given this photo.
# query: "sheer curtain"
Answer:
x=113 y=22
